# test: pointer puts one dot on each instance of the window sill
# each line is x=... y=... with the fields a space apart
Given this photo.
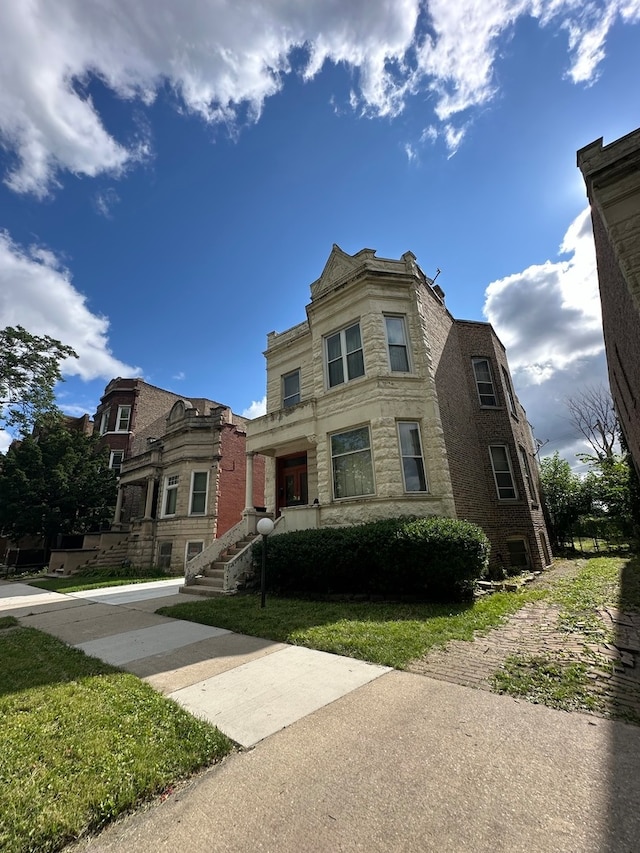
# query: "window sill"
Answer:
x=354 y=498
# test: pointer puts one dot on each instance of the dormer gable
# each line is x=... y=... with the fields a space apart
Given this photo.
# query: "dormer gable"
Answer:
x=340 y=267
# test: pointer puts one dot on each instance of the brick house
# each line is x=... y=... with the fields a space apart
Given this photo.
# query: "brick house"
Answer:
x=182 y=480
x=130 y=412
x=612 y=177
x=382 y=404
x=191 y=480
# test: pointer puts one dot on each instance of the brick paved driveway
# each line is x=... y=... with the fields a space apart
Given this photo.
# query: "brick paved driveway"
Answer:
x=613 y=668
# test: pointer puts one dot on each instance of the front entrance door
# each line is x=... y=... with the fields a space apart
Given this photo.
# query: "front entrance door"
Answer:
x=291 y=481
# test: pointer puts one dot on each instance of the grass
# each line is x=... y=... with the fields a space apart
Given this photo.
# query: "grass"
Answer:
x=386 y=633
x=78 y=583
x=601 y=582
x=83 y=742
x=566 y=684
x=548 y=681
x=96 y=578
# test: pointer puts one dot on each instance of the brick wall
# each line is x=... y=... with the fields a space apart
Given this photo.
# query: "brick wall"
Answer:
x=232 y=478
x=469 y=430
x=621 y=325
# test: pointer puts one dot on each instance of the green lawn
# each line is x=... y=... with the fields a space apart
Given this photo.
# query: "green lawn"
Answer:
x=82 y=742
x=381 y=632
x=78 y=583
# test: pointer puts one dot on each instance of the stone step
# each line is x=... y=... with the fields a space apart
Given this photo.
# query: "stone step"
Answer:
x=205 y=591
x=213 y=583
x=213 y=573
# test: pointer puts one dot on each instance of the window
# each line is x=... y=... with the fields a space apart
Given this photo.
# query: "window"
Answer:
x=192 y=550
x=411 y=453
x=352 y=464
x=115 y=460
x=123 y=419
x=484 y=382
x=104 y=421
x=397 y=343
x=501 y=465
x=199 y=483
x=291 y=388
x=518 y=554
x=164 y=555
x=171 y=495
x=345 y=359
x=526 y=471
x=509 y=393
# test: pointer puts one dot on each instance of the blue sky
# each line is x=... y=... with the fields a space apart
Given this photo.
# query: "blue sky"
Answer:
x=174 y=176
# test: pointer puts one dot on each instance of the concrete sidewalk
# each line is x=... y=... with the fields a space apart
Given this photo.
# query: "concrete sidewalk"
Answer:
x=403 y=763
x=248 y=687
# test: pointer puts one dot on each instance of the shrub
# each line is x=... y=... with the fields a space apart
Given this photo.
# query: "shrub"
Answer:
x=430 y=558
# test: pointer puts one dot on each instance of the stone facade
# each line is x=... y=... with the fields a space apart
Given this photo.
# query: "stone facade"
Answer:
x=612 y=178
x=373 y=411
x=191 y=482
x=193 y=447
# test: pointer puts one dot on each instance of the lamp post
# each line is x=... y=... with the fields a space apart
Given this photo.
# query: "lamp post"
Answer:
x=264 y=527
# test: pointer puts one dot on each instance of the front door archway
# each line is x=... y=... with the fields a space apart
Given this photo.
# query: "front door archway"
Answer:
x=291 y=481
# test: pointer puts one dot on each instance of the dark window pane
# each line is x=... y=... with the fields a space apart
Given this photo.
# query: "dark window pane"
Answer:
x=333 y=347
x=355 y=364
x=336 y=373
x=414 y=478
x=352 y=338
x=399 y=359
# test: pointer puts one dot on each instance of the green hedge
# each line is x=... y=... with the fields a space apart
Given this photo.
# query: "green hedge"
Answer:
x=430 y=558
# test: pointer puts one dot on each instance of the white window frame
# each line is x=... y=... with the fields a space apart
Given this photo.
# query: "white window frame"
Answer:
x=112 y=456
x=419 y=457
x=477 y=360
x=199 y=542
x=343 y=358
x=508 y=392
x=192 y=493
x=509 y=471
x=104 y=421
x=404 y=345
x=288 y=399
x=171 y=484
x=360 y=451
x=121 y=410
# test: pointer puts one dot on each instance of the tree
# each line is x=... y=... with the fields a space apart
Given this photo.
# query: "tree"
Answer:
x=564 y=498
x=55 y=481
x=593 y=414
x=29 y=370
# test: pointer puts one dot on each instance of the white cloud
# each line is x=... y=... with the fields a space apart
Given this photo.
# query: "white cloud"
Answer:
x=219 y=56
x=105 y=201
x=256 y=409
x=5 y=440
x=180 y=375
x=36 y=292
x=410 y=151
x=548 y=317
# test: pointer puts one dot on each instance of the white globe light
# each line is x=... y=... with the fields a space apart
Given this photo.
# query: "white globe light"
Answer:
x=265 y=526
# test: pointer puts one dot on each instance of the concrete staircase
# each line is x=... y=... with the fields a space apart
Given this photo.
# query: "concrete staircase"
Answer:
x=211 y=581
x=114 y=555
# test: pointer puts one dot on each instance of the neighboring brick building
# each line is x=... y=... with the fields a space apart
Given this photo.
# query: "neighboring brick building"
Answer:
x=612 y=178
x=130 y=412
x=181 y=463
x=382 y=404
